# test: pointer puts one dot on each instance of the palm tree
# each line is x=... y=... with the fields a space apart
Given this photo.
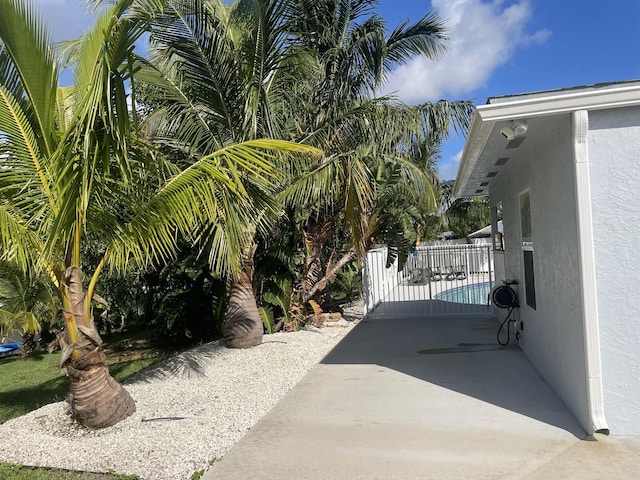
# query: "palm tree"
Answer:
x=299 y=70
x=27 y=302
x=73 y=168
x=340 y=114
x=214 y=77
x=466 y=215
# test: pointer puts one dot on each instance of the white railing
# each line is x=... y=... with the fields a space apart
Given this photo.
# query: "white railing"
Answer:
x=454 y=273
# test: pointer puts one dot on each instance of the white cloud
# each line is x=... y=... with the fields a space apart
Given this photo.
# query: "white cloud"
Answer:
x=449 y=169
x=484 y=35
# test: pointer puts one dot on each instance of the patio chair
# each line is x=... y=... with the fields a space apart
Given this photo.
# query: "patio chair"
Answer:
x=417 y=271
x=434 y=273
x=456 y=272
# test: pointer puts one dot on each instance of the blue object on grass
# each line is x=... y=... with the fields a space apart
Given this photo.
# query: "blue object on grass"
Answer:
x=9 y=347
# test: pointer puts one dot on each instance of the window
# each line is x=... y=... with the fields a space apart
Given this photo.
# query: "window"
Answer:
x=527 y=249
x=529 y=278
x=525 y=219
x=496 y=226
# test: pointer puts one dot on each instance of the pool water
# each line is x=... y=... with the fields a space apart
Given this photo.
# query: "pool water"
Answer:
x=475 y=294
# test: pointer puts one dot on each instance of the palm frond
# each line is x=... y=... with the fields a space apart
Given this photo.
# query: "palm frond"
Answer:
x=188 y=40
x=428 y=37
x=218 y=195
x=21 y=149
x=24 y=39
x=18 y=242
x=442 y=117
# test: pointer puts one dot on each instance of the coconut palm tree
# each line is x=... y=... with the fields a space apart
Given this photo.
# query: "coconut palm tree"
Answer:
x=73 y=167
x=214 y=76
x=339 y=111
x=299 y=70
x=27 y=302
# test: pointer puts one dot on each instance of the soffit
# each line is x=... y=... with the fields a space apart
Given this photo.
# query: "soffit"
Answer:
x=488 y=155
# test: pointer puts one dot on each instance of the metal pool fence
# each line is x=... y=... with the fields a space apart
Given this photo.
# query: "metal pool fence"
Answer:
x=458 y=273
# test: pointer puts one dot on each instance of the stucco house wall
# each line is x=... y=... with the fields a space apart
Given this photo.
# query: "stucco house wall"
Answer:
x=578 y=151
x=614 y=171
x=553 y=336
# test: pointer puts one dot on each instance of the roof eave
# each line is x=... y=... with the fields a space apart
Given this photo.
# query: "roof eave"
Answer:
x=537 y=105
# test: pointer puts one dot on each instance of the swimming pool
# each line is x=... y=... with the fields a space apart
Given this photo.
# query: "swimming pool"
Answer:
x=475 y=294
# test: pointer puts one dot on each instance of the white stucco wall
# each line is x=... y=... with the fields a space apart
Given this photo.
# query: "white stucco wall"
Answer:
x=614 y=151
x=553 y=337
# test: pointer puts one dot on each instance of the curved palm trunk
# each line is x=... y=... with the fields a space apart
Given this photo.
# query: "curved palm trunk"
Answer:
x=332 y=270
x=315 y=236
x=316 y=278
x=96 y=399
x=243 y=325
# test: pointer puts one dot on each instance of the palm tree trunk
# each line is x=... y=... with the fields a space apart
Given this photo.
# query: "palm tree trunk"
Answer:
x=28 y=345
x=315 y=236
x=96 y=399
x=243 y=324
x=322 y=283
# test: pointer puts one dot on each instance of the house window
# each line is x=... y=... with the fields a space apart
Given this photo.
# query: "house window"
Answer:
x=525 y=220
x=527 y=249
x=496 y=227
x=529 y=278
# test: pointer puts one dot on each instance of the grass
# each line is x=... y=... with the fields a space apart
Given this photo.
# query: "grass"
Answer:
x=10 y=471
x=29 y=384
x=26 y=385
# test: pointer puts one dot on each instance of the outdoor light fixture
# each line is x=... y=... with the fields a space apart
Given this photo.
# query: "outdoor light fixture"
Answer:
x=497 y=241
x=517 y=129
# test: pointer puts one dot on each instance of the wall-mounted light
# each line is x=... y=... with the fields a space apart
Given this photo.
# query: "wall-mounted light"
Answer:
x=517 y=129
x=497 y=241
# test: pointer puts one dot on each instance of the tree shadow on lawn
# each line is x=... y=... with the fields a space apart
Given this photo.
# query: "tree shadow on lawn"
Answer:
x=22 y=400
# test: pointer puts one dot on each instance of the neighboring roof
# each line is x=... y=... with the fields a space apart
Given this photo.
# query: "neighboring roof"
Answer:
x=486 y=231
x=484 y=152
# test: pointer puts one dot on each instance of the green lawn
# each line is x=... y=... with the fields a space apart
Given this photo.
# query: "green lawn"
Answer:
x=29 y=384
x=9 y=471
x=26 y=385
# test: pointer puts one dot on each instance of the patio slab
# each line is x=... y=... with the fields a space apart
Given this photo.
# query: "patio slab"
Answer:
x=420 y=397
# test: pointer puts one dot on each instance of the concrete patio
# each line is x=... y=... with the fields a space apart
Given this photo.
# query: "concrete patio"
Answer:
x=424 y=397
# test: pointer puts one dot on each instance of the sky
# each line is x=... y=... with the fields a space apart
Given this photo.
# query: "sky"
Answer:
x=498 y=47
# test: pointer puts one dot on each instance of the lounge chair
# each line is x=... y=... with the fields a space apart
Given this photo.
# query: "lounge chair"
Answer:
x=456 y=272
x=435 y=273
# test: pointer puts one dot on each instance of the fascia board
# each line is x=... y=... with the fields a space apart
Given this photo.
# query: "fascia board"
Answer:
x=561 y=103
x=536 y=105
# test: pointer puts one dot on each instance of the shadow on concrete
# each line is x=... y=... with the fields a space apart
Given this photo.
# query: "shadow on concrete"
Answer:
x=453 y=347
x=407 y=308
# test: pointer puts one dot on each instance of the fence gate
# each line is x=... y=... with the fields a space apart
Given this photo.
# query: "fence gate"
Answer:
x=463 y=274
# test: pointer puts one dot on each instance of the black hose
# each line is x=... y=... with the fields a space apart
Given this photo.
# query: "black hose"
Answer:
x=506 y=320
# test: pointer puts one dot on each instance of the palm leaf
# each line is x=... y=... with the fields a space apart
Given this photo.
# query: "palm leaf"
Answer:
x=220 y=194
x=19 y=244
x=32 y=62
x=427 y=37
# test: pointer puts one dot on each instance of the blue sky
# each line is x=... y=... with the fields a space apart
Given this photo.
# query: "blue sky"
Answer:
x=499 y=47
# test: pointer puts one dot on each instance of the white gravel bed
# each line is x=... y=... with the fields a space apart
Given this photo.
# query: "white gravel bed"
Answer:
x=190 y=409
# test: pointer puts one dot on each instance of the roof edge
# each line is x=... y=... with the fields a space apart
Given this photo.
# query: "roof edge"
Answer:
x=538 y=104
x=562 y=101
